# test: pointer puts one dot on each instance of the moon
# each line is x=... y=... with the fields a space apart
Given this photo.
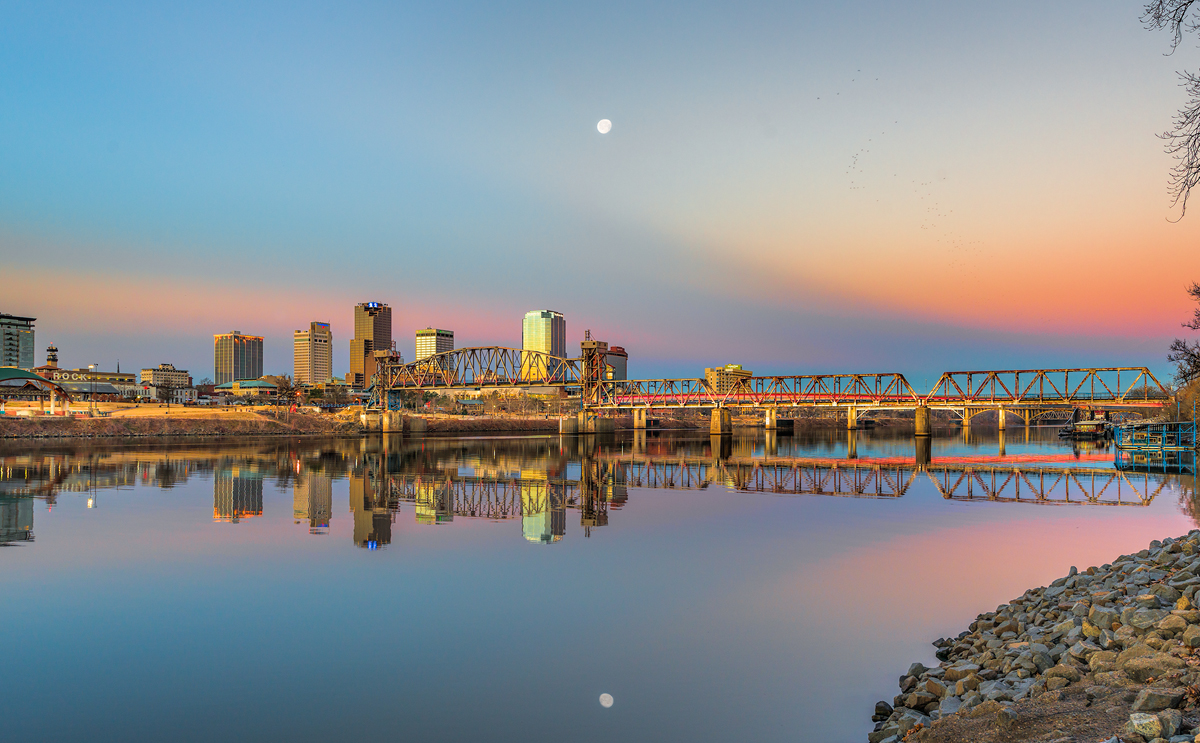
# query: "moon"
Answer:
x=604 y=127
x=606 y=700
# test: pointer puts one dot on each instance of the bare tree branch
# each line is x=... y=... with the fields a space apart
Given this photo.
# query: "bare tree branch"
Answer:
x=1172 y=15
x=1183 y=139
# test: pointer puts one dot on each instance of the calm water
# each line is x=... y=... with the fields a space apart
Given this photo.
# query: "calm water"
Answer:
x=434 y=589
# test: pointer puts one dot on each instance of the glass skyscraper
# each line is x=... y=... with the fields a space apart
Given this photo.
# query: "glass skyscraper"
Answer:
x=16 y=341
x=237 y=356
x=545 y=331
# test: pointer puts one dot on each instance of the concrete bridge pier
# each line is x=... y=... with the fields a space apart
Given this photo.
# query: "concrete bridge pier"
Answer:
x=1001 y=452
x=639 y=441
x=966 y=418
x=851 y=444
x=568 y=426
x=721 y=423
x=921 y=420
x=392 y=421
x=639 y=418
x=1000 y=419
x=852 y=418
x=771 y=419
x=771 y=443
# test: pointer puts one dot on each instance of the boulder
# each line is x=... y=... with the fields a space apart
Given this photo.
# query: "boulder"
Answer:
x=1151 y=666
x=1172 y=722
x=949 y=706
x=1105 y=660
x=1154 y=700
x=935 y=687
x=1146 y=618
x=1103 y=616
x=965 y=685
x=1145 y=725
x=1165 y=593
x=1172 y=624
x=1070 y=673
x=1191 y=636
x=960 y=671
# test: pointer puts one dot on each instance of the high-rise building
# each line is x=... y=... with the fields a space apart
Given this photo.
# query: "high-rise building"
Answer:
x=372 y=332
x=433 y=340
x=313 y=354
x=545 y=331
x=16 y=341
x=617 y=362
x=237 y=356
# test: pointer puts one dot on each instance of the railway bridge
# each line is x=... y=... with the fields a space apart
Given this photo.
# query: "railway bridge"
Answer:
x=1023 y=394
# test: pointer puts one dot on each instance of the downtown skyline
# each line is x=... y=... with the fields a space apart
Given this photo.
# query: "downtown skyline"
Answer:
x=927 y=192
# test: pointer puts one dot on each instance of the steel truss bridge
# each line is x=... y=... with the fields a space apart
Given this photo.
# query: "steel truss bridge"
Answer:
x=605 y=482
x=1026 y=393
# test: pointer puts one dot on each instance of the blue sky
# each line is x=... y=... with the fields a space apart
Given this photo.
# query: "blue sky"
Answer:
x=794 y=186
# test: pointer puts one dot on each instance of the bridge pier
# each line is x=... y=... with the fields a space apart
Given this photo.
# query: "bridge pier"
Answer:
x=852 y=418
x=921 y=421
x=1001 y=452
x=392 y=421
x=771 y=419
x=851 y=444
x=639 y=418
x=721 y=423
x=1000 y=419
x=569 y=426
x=966 y=421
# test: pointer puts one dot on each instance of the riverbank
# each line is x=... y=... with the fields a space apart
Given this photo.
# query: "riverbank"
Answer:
x=180 y=423
x=1106 y=654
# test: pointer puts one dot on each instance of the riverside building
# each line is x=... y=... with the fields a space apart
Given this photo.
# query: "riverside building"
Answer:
x=313 y=354
x=433 y=340
x=237 y=356
x=16 y=341
x=164 y=380
x=372 y=332
x=617 y=363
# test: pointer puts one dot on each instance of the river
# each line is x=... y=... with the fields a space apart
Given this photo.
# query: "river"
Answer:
x=756 y=588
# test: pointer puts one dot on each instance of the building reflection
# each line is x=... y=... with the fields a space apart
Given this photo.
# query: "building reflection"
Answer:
x=536 y=480
x=543 y=508
x=16 y=520
x=312 y=501
x=372 y=518
x=237 y=495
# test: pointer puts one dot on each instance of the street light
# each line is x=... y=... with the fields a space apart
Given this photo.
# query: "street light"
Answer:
x=92 y=382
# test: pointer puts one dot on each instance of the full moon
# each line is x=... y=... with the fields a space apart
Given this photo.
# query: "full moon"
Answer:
x=605 y=699
x=604 y=127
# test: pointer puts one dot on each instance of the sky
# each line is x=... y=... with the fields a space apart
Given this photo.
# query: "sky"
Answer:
x=798 y=187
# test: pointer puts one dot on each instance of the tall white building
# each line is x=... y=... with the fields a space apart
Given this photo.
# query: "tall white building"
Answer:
x=433 y=340
x=313 y=354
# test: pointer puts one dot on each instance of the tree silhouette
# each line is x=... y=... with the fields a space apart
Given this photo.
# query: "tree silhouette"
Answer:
x=1187 y=355
x=1183 y=138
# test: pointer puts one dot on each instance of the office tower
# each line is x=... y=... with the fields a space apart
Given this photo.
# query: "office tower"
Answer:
x=545 y=331
x=166 y=375
x=237 y=356
x=372 y=332
x=16 y=341
x=432 y=340
x=312 y=501
x=313 y=354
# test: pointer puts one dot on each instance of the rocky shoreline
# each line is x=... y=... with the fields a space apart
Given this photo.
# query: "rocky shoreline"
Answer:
x=1107 y=654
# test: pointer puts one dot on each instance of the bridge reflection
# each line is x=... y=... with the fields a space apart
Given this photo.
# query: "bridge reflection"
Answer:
x=547 y=483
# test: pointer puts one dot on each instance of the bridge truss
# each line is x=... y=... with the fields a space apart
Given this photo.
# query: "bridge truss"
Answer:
x=1028 y=393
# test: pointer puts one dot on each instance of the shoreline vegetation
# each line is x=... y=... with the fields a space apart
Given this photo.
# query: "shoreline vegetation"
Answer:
x=1108 y=654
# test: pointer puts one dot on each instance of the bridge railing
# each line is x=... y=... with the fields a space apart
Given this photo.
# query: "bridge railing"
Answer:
x=1130 y=385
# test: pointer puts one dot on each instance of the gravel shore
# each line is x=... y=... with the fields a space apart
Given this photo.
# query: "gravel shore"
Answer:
x=1107 y=654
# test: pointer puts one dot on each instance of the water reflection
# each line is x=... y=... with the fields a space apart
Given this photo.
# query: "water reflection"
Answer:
x=541 y=481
